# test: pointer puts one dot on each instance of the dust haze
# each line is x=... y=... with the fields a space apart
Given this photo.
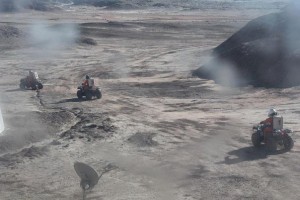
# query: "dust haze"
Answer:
x=165 y=133
x=52 y=40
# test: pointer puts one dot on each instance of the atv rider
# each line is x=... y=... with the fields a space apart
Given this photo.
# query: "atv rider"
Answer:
x=85 y=83
x=31 y=77
x=268 y=123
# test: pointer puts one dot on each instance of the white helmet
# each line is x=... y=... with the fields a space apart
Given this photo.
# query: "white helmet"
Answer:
x=272 y=112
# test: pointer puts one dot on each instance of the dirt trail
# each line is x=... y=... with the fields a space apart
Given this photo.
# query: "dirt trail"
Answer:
x=167 y=135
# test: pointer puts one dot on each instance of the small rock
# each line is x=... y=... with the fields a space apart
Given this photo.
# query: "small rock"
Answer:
x=89 y=125
x=55 y=142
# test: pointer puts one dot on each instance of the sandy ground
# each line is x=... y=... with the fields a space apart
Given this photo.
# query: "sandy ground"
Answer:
x=165 y=134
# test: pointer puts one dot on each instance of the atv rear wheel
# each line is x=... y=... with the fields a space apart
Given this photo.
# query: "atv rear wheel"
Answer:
x=79 y=94
x=256 y=141
x=22 y=85
x=40 y=86
x=88 y=95
x=288 y=143
x=98 y=94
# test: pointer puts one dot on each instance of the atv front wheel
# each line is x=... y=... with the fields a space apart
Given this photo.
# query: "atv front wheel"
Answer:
x=79 y=94
x=288 y=143
x=88 y=95
x=98 y=94
x=256 y=141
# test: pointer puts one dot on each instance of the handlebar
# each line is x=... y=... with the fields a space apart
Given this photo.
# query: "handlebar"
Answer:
x=259 y=126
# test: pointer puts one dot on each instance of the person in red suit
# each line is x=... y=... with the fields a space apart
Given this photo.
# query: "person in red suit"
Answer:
x=85 y=83
x=268 y=123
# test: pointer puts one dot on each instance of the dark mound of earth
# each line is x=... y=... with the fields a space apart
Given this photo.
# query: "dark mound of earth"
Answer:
x=264 y=53
x=113 y=4
x=182 y=4
x=46 y=5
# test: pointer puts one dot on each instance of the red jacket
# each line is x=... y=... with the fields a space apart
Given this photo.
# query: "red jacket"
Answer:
x=268 y=124
x=85 y=84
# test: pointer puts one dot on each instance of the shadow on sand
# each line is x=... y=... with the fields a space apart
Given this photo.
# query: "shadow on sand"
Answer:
x=73 y=100
x=248 y=154
x=15 y=90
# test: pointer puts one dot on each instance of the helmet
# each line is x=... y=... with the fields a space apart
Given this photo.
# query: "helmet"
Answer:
x=87 y=77
x=272 y=112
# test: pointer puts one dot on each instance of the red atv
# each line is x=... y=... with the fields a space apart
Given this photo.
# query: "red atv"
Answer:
x=281 y=138
x=89 y=91
x=31 y=82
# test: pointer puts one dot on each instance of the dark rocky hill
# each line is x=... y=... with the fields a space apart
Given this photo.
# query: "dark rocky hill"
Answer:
x=266 y=52
x=18 y=5
x=46 y=5
x=184 y=4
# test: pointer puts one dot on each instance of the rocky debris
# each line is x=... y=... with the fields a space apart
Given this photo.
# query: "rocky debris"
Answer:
x=107 y=125
x=265 y=53
x=7 y=31
x=86 y=41
x=9 y=160
x=32 y=152
x=143 y=139
x=90 y=126
x=55 y=142
x=66 y=145
x=109 y=167
x=159 y=5
x=56 y=120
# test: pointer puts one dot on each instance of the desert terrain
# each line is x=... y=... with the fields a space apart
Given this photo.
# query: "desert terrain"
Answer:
x=162 y=133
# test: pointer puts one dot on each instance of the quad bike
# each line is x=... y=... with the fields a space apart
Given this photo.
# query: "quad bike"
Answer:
x=33 y=82
x=88 y=92
x=281 y=137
